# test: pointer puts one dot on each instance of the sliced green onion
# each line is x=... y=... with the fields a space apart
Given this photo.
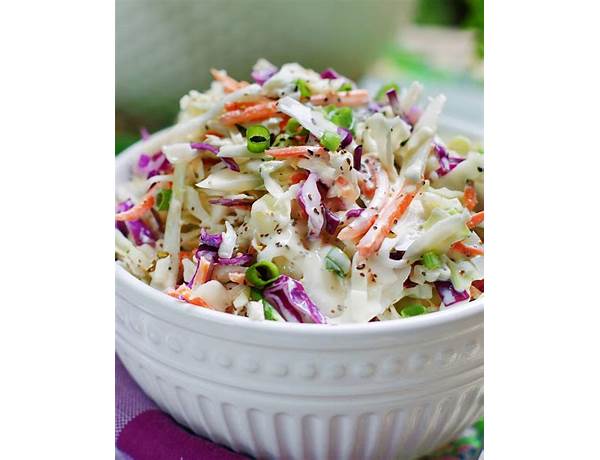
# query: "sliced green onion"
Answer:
x=255 y=294
x=431 y=260
x=259 y=138
x=342 y=116
x=303 y=88
x=271 y=314
x=338 y=262
x=262 y=273
x=163 y=198
x=385 y=88
x=412 y=310
x=329 y=108
x=281 y=140
x=331 y=141
x=292 y=126
x=345 y=87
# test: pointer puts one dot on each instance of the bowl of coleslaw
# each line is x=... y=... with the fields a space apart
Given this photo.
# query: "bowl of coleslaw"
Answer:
x=300 y=268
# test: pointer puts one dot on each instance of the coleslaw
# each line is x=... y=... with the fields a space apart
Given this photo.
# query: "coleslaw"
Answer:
x=300 y=198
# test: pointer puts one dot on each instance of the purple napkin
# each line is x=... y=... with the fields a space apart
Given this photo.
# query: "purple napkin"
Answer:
x=144 y=432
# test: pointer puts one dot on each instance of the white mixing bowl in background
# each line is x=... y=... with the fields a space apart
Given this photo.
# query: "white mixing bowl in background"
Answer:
x=384 y=390
x=165 y=48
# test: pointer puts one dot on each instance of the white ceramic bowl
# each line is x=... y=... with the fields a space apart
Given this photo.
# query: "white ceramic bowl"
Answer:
x=395 y=389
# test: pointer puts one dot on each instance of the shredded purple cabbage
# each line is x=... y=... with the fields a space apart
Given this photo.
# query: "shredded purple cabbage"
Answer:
x=143 y=160
x=331 y=220
x=232 y=201
x=392 y=96
x=330 y=74
x=357 y=156
x=310 y=200
x=139 y=230
x=153 y=165
x=122 y=207
x=141 y=233
x=449 y=295
x=447 y=163
x=206 y=252
x=231 y=164
x=210 y=240
x=242 y=259
x=262 y=75
x=144 y=133
x=347 y=137
x=354 y=212
x=290 y=299
x=373 y=107
x=204 y=146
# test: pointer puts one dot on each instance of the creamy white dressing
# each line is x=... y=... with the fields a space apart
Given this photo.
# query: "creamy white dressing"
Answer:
x=383 y=137
x=311 y=119
x=435 y=219
x=284 y=81
x=470 y=169
x=440 y=236
x=227 y=180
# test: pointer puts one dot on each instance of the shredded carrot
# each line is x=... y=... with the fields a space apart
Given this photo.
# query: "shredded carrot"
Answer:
x=245 y=104
x=284 y=121
x=185 y=293
x=470 y=196
x=298 y=176
x=256 y=112
x=229 y=84
x=198 y=301
x=237 y=277
x=204 y=269
x=212 y=132
x=300 y=139
x=367 y=188
x=182 y=290
x=468 y=251
x=391 y=212
x=346 y=190
x=359 y=226
x=475 y=220
x=297 y=151
x=348 y=98
x=140 y=208
x=184 y=255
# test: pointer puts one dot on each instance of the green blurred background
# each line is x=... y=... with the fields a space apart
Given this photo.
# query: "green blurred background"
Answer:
x=164 y=48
